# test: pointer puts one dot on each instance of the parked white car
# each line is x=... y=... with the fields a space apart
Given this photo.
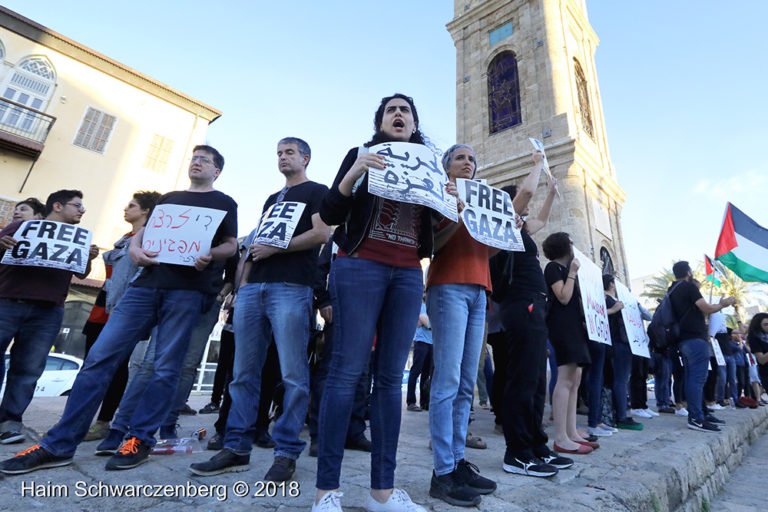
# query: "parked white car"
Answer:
x=57 y=378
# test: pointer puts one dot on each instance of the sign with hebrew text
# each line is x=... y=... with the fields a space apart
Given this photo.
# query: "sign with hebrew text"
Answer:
x=489 y=216
x=412 y=175
x=180 y=233
x=49 y=244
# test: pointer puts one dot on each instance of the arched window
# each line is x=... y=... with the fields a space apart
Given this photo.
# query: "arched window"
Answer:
x=2 y=51
x=583 y=92
x=605 y=259
x=31 y=84
x=503 y=92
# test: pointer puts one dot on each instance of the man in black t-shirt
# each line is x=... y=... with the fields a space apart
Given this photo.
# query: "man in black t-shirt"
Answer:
x=275 y=298
x=171 y=296
x=689 y=308
x=31 y=311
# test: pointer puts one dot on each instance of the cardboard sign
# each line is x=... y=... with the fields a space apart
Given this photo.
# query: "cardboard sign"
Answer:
x=49 y=244
x=718 y=352
x=412 y=175
x=489 y=215
x=181 y=233
x=633 y=322
x=278 y=223
x=593 y=299
x=537 y=144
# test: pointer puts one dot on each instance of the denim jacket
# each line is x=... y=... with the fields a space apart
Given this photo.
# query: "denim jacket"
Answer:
x=123 y=271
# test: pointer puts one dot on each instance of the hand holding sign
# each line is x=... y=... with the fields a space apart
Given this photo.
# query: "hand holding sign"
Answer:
x=592 y=298
x=45 y=243
x=277 y=226
x=540 y=156
x=489 y=215
x=178 y=234
x=633 y=321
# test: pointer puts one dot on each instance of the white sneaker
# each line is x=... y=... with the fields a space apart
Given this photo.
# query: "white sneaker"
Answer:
x=651 y=411
x=597 y=431
x=398 y=501
x=639 y=412
x=329 y=503
x=716 y=407
x=681 y=412
x=607 y=428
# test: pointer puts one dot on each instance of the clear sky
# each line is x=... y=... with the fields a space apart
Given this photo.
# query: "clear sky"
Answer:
x=682 y=86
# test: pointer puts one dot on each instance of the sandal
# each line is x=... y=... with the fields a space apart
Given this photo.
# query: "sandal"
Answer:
x=475 y=442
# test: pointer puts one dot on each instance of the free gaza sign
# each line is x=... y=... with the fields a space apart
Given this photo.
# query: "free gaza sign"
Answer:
x=45 y=243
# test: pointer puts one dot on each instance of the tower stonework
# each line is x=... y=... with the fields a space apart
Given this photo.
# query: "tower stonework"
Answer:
x=525 y=68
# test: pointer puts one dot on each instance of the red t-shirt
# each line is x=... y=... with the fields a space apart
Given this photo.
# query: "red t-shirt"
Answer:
x=462 y=260
x=393 y=238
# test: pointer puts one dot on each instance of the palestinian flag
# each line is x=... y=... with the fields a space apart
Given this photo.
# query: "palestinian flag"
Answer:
x=711 y=270
x=743 y=246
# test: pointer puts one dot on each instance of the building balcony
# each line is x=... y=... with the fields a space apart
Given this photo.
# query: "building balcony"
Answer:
x=23 y=130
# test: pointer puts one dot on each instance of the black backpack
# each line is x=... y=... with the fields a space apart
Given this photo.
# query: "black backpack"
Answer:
x=500 y=266
x=664 y=329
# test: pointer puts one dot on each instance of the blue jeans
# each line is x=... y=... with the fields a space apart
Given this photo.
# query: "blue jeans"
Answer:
x=727 y=375
x=662 y=372
x=457 y=315
x=622 y=368
x=369 y=300
x=138 y=384
x=595 y=382
x=175 y=312
x=262 y=310
x=35 y=328
x=695 y=354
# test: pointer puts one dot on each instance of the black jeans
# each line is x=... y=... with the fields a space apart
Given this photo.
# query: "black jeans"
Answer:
x=224 y=366
x=525 y=386
x=422 y=365
x=638 y=387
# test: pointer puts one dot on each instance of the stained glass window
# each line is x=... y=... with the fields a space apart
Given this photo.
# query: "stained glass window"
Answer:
x=503 y=93
x=583 y=91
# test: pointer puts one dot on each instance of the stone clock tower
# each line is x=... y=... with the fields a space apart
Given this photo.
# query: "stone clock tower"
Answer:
x=525 y=68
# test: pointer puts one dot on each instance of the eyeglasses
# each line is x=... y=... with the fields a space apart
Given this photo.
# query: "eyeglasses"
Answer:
x=202 y=159
x=79 y=206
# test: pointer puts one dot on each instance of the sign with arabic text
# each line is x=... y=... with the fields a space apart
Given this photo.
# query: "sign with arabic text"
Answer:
x=49 y=244
x=278 y=224
x=181 y=233
x=412 y=175
x=633 y=321
x=489 y=216
x=593 y=299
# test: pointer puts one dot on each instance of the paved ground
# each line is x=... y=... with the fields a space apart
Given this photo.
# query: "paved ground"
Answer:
x=745 y=489
x=663 y=467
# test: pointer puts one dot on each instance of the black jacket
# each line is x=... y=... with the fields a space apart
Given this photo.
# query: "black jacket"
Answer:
x=354 y=214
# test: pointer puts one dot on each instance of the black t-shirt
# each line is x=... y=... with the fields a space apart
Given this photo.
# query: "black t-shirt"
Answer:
x=527 y=277
x=562 y=315
x=181 y=277
x=688 y=314
x=758 y=344
x=296 y=267
x=616 y=322
x=724 y=340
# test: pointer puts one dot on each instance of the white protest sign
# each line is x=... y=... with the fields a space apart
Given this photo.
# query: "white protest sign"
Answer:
x=181 y=233
x=489 y=216
x=537 y=144
x=49 y=244
x=593 y=299
x=278 y=224
x=412 y=175
x=718 y=352
x=633 y=322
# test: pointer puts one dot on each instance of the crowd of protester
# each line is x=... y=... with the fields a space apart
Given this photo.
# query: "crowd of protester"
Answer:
x=482 y=312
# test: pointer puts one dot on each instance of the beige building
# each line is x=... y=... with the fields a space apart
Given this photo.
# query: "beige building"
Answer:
x=73 y=118
x=526 y=69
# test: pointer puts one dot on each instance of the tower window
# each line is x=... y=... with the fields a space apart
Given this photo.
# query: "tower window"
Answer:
x=503 y=92
x=605 y=259
x=583 y=92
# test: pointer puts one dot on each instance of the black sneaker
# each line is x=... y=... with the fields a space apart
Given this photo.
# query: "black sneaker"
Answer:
x=34 y=457
x=739 y=405
x=667 y=410
x=264 y=440
x=702 y=426
x=528 y=466
x=211 y=408
x=556 y=460
x=714 y=419
x=361 y=444
x=168 y=432
x=470 y=475
x=187 y=411
x=111 y=443
x=313 y=449
x=216 y=442
x=451 y=489
x=132 y=453
x=282 y=470
x=11 y=437
x=226 y=461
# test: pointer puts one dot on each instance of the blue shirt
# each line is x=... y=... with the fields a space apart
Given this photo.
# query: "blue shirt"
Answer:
x=423 y=333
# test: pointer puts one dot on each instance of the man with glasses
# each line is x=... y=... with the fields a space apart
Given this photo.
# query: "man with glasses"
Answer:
x=172 y=297
x=31 y=311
